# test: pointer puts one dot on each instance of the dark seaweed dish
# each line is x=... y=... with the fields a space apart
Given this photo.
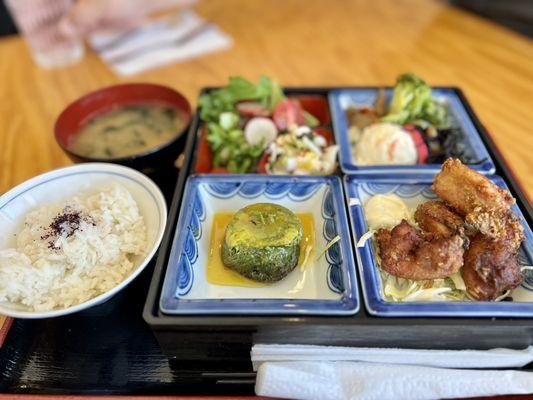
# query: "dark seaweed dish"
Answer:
x=262 y=242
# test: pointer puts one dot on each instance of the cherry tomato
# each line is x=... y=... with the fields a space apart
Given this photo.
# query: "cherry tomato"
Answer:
x=287 y=113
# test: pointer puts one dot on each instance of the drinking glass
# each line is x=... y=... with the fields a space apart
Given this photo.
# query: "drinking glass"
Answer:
x=37 y=21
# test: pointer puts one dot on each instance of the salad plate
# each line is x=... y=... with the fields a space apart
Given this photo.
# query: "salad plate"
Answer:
x=466 y=144
x=247 y=127
x=326 y=285
x=414 y=190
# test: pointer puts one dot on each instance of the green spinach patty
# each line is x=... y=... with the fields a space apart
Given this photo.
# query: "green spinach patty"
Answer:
x=262 y=242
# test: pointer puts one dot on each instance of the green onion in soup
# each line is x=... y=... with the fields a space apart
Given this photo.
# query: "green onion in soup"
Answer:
x=127 y=131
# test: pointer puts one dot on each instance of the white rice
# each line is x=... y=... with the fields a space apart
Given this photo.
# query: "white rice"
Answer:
x=47 y=271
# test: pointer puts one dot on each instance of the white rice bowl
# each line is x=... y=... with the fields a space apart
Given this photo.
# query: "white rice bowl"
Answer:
x=115 y=221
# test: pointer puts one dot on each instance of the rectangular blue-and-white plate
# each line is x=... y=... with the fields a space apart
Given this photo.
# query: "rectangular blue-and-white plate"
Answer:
x=341 y=99
x=326 y=286
x=414 y=190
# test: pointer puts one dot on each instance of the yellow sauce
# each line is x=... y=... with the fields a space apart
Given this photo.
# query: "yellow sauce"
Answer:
x=218 y=274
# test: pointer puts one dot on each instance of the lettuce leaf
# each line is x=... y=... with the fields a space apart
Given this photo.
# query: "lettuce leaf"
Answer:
x=412 y=102
x=217 y=101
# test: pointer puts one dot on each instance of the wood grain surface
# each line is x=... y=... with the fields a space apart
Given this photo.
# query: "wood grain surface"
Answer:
x=299 y=42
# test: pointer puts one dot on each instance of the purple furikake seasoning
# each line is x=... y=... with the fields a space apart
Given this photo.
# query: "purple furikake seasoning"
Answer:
x=66 y=223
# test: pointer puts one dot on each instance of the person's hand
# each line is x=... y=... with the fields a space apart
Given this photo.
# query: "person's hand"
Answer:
x=86 y=16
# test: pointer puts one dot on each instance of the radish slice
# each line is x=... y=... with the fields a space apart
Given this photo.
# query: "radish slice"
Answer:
x=260 y=130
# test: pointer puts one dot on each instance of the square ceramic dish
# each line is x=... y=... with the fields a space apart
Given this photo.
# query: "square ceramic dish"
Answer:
x=315 y=103
x=326 y=286
x=415 y=190
x=341 y=99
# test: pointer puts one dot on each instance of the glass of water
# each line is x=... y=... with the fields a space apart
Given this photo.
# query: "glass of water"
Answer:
x=38 y=22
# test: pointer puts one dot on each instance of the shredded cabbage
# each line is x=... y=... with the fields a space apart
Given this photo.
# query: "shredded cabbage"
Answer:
x=502 y=296
x=399 y=289
x=331 y=243
x=427 y=294
x=458 y=281
x=365 y=237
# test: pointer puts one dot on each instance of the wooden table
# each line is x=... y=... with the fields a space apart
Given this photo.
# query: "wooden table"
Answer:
x=299 y=42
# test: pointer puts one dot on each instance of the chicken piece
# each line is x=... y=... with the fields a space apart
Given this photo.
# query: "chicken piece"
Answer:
x=435 y=217
x=407 y=253
x=467 y=191
x=490 y=268
x=485 y=206
x=499 y=225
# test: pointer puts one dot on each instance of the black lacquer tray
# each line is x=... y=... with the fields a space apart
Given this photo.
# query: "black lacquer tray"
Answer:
x=111 y=349
x=361 y=329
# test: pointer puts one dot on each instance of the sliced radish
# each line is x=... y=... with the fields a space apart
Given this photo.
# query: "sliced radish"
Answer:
x=260 y=130
x=252 y=109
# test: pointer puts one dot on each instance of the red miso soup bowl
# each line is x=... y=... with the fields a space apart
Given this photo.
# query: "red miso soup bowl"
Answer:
x=102 y=101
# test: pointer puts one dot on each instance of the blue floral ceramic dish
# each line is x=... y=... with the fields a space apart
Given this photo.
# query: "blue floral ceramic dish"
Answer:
x=327 y=285
x=341 y=99
x=415 y=190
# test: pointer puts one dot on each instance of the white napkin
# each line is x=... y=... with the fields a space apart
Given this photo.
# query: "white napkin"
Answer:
x=369 y=381
x=494 y=358
x=330 y=372
x=158 y=43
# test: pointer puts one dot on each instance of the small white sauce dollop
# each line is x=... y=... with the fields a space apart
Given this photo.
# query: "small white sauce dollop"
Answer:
x=385 y=211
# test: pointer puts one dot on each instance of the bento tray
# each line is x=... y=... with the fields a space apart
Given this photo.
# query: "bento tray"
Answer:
x=109 y=349
x=361 y=329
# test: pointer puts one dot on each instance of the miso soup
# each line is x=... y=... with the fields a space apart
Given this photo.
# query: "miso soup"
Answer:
x=128 y=131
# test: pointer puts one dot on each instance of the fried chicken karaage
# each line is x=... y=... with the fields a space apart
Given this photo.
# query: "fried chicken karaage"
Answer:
x=436 y=217
x=473 y=225
x=407 y=253
x=490 y=265
x=490 y=268
x=485 y=206
x=466 y=190
x=499 y=225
